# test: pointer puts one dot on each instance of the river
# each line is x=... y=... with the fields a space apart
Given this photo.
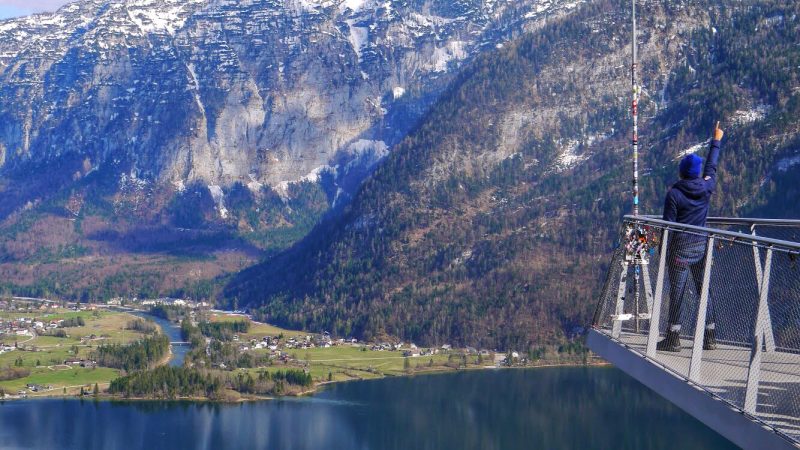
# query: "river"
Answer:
x=172 y=330
x=551 y=408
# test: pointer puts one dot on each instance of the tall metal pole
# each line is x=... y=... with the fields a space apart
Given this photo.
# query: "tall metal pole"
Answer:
x=635 y=142
x=635 y=111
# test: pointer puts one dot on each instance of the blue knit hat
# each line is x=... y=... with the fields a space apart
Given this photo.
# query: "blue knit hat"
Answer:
x=690 y=167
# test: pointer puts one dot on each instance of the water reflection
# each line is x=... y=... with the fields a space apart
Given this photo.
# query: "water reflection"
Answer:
x=510 y=409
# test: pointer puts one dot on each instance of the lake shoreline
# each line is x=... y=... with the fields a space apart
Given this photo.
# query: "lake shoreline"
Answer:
x=557 y=407
x=249 y=398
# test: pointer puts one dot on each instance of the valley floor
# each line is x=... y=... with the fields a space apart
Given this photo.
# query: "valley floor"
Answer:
x=61 y=365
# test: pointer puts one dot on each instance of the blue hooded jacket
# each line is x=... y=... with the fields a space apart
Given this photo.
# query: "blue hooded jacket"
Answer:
x=687 y=200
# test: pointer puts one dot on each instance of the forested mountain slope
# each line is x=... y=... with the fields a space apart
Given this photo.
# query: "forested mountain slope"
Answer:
x=200 y=135
x=492 y=222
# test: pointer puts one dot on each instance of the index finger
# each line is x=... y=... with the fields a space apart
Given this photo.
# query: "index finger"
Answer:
x=717 y=128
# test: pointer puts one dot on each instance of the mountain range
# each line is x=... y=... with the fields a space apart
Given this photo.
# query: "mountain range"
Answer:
x=263 y=93
x=207 y=134
x=434 y=171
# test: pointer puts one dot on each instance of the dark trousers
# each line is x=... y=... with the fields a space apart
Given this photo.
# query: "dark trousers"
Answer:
x=686 y=257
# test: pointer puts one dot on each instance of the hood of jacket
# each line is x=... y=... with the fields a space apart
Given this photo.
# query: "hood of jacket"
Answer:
x=694 y=189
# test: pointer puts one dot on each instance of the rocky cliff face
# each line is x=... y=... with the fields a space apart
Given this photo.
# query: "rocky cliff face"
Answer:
x=215 y=92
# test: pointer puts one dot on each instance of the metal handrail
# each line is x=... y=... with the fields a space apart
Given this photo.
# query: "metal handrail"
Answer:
x=753 y=221
x=793 y=247
x=741 y=221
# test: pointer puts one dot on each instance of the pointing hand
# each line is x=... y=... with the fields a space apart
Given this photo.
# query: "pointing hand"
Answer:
x=718 y=133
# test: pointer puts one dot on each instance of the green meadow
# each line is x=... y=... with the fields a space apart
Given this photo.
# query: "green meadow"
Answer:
x=44 y=355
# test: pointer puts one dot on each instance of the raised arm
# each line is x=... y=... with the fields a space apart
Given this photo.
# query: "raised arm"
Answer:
x=710 y=170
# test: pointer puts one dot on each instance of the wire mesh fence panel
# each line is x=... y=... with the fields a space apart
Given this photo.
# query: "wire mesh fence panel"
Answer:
x=608 y=297
x=733 y=292
x=725 y=308
x=779 y=387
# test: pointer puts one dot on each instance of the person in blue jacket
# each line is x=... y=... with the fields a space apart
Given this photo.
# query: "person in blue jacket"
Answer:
x=687 y=203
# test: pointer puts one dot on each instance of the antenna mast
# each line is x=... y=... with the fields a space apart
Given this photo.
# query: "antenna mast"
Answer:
x=637 y=258
x=635 y=111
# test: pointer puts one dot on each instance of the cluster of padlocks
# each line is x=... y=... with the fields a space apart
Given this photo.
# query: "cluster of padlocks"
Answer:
x=640 y=242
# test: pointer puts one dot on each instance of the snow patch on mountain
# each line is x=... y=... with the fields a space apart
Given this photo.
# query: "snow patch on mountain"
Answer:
x=693 y=149
x=568 y=157
x=742 y=117
x=358 y=37
x=153 y=16
x=314 y=176
x=219 y=200
x=353 y=5
x=254 y=186
x=442 y=56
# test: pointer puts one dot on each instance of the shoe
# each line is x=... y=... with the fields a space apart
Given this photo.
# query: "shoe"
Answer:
x=709 y=340
x=670 y=343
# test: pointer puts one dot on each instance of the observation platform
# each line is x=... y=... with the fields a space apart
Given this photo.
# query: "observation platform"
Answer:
x=747 y=282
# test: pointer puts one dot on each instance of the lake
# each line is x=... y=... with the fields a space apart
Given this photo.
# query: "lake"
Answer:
x=546 y=408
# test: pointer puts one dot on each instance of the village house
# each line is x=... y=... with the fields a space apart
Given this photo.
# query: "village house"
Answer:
x=38 y=387
x=88 y=363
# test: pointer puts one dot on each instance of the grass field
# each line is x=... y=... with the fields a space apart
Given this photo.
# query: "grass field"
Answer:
x=344 y=363
x=44 y=355
x=257 y=330
x=348 y=362
x=59 y=378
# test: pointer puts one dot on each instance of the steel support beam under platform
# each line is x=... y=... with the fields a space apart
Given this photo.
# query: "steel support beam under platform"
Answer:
x=718 y=415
